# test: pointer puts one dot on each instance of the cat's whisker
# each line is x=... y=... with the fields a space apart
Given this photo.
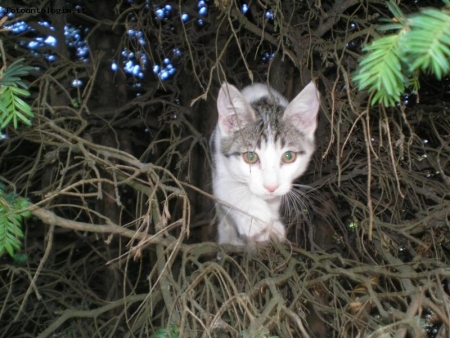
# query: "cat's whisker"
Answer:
x=297 y=202
x=304 y=186
x=292 y=205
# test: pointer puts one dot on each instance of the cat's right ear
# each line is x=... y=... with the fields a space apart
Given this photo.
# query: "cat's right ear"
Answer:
x=234 y=110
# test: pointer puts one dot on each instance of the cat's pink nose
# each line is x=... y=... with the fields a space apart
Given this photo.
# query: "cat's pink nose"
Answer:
x=271 y=188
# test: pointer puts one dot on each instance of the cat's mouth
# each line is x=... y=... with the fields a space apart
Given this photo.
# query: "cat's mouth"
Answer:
x=270 y=196
x=267 y=195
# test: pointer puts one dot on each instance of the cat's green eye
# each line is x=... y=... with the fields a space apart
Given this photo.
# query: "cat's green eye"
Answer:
x=288 y=157
x=250 y=157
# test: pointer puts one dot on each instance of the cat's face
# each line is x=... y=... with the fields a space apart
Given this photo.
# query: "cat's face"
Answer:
x=270 y=168
x=267 y=143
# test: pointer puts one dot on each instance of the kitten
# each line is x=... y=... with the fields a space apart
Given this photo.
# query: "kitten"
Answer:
x=260 y=145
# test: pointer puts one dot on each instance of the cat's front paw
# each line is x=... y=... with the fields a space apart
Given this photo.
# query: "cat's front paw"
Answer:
x=276 y=229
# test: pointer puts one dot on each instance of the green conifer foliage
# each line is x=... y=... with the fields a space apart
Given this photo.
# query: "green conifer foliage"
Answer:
x=393 y=62
x=12 y=211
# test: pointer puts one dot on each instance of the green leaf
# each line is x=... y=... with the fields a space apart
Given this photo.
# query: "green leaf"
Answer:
x=23 y=118
x=172 y=332
x=3 y=109
x=19 y=91
x=396 y=11
x=381 y=70
x=11 y=216
x=23 y=202
x=392 y=62
x=23 y=106
x=26 y=214
x=20 y=259
x=12 y=108
x=8 y=247
x=6 y=121
x=429 y=41
x=390 y=26
x=16 y=68
x=13 y=241
x=18 y=232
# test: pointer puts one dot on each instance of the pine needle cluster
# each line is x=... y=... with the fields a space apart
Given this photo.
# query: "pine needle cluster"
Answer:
x=12 y=211
x=393 y=63
x=12 y=107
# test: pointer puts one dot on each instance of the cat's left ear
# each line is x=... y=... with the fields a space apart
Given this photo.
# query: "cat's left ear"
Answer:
x=303 y=109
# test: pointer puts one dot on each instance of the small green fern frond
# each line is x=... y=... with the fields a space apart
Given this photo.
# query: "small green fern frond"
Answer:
x=429 y=41
x=413 y=82
x=172 y=332
x=392 y=62
x=380 y=71
x=399 y=16
x=11 y=215
x=12 y=107
x=12 y=74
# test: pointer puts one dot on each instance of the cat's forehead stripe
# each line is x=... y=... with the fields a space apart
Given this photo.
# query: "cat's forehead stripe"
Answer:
x=270 y=112
x=255 y=135
x=268 y=127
